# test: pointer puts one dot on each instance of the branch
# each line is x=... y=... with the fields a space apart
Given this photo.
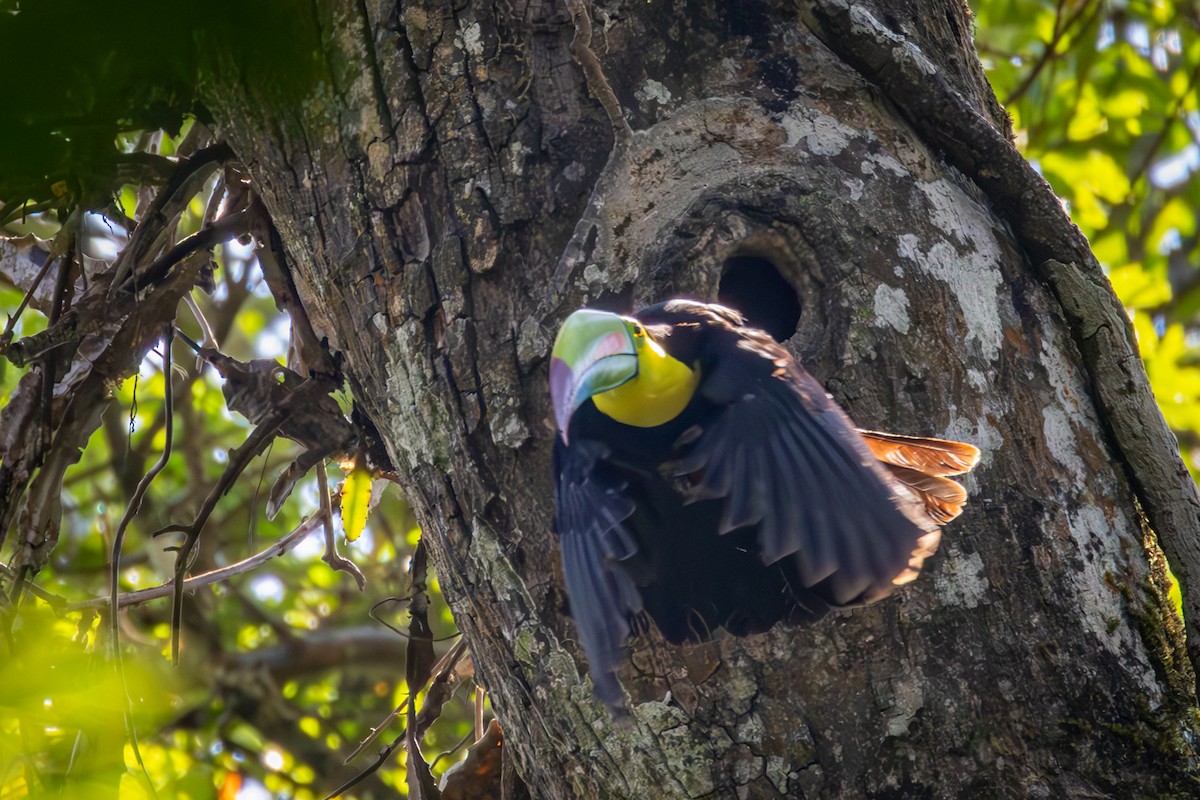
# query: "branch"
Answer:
x=224 y=229
x=448 y=677
x=332 y=557
x=284 y=545
x=135 y=502
x=57 y=602
x=10 y=326
x=593 y=73
x=320 y=650
x=141 y=167
x=22 y=210
x=131 y=511
x=189 y=175
x=258 y=439
x=1050 y=49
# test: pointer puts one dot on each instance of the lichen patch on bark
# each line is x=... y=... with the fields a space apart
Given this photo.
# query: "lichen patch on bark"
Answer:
x=891 y=308
x=819 y=133
x=1060 y=439
x=961 y=581
x=1099 y=579
x=975 y=289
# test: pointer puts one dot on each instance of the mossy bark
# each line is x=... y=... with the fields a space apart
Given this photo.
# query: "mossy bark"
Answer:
x=454 y=188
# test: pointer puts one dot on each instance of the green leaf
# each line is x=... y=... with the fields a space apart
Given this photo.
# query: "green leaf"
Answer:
x=1139 y=287
x=356 y=501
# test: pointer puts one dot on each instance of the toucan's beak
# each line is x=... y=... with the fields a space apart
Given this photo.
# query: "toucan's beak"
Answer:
x=594 y=352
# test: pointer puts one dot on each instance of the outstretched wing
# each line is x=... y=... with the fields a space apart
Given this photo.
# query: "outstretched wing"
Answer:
x=785 y=458
x=591 y=520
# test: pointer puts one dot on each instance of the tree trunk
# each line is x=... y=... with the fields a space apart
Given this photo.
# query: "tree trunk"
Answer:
x=457 y=185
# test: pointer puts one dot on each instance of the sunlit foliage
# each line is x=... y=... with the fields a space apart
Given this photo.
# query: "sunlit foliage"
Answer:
x=1105 y=101
x=284 y=669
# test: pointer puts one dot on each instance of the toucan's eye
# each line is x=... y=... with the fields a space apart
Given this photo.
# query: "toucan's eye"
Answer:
x=638 y=331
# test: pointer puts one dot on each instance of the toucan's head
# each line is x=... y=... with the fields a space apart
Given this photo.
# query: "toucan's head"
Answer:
x=615 y=362
x=594 y=352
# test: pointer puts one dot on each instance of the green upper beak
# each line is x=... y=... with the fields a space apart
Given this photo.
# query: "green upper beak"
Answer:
x=594 y=352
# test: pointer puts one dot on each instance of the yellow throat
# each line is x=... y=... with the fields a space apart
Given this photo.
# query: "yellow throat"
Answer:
x=659 y=393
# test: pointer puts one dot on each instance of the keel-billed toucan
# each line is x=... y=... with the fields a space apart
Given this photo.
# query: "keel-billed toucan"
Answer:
x=705 y=480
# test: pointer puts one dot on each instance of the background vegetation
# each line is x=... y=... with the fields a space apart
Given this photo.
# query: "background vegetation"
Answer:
x=1105 y=102
x=286 y=667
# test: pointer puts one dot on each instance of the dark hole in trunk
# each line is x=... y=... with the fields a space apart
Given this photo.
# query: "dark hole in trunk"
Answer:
x=753 y=286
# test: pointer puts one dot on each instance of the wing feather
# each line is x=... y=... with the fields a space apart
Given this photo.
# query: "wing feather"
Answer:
x=943 y=498
x=782 y=455
x=938 y=457
x=591 y=516
x=800 y=462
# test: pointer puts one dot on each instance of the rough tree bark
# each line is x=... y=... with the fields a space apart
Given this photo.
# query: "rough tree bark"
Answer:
x=456 y=186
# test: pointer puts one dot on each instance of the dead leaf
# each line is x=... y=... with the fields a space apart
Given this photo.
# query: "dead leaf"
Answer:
x=478 y=776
